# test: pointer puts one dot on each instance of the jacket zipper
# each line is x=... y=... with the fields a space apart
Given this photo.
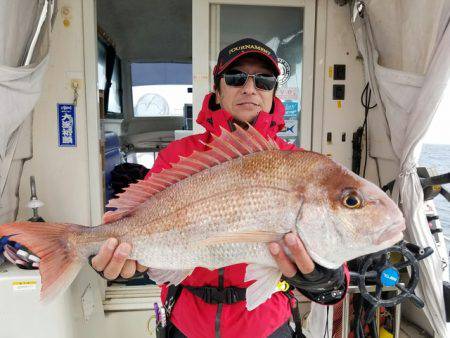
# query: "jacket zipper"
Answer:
x=219 y=306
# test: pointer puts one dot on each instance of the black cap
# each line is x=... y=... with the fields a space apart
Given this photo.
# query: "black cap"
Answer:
x=244 y=47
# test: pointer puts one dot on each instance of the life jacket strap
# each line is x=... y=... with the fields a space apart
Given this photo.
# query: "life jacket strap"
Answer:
x=229 y=295
x=213 y=295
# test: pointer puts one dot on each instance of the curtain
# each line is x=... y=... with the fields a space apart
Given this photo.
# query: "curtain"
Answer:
x=24 y=43
x=407 y=63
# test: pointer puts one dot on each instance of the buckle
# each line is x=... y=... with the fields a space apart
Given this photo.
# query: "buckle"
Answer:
x=230 y=295
x=213 y=295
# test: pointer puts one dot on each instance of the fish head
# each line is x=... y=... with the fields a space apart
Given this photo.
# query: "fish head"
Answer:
x=344 y=216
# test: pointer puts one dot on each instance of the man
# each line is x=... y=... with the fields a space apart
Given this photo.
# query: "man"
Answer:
x=245 y=81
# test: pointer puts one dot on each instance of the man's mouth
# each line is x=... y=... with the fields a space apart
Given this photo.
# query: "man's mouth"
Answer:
x=250 y=104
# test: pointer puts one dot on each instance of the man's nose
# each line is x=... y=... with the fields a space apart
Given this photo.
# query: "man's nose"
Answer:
x=249 y=87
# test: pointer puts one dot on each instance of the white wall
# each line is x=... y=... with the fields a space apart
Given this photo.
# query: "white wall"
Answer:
x=62 y=175
x=340 y=48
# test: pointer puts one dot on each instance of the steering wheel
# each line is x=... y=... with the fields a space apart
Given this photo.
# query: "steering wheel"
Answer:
x=378 y=269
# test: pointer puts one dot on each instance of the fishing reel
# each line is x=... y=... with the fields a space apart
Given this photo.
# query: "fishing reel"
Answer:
x=383 y=269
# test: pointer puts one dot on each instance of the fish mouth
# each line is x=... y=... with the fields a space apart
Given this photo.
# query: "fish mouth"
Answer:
x=391 y=232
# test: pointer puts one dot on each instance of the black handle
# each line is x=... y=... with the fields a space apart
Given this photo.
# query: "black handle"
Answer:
x=445 y=193
x=412 y=296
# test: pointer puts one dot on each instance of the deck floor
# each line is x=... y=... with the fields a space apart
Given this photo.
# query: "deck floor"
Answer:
x=408 y=330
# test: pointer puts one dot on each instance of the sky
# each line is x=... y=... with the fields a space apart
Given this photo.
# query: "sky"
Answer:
x=439 y=131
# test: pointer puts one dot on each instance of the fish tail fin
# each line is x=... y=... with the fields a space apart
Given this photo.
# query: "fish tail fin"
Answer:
x=59 y=259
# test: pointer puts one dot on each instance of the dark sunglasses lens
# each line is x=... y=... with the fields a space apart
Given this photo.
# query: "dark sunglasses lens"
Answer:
x=262 y=81
x=235 y=79
x=265 y=82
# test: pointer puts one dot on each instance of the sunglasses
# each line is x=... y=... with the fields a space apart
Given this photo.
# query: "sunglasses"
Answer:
x=239 y=79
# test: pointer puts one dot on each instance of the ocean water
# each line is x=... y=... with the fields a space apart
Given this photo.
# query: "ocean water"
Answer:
x=437 y=156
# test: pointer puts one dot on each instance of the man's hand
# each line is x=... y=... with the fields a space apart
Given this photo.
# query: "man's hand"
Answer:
x=112 y=260
x=302 y=261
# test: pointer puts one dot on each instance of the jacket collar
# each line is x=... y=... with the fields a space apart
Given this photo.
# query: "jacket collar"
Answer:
x=212 y=117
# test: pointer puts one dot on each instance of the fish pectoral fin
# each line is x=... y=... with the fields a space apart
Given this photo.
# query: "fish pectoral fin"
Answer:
x=160 y=276
x=256 y=236
x=266 y=281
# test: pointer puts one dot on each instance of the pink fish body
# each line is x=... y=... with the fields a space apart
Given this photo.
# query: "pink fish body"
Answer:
x=222 y=207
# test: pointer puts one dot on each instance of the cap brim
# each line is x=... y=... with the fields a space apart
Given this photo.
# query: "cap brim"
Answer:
x=226 y=65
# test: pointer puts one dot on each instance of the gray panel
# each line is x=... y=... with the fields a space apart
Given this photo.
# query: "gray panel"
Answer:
x=157 y=30
x=143 y=74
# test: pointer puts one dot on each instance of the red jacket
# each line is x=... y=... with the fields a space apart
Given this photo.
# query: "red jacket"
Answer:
x=192 y=316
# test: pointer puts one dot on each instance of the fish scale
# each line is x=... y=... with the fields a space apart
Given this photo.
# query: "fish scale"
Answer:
x=251 y=211
x=234 y=174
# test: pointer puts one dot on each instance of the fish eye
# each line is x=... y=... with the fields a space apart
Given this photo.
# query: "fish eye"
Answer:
x=352 y=200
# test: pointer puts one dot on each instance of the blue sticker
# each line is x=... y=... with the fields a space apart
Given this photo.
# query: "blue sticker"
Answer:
x=291 y=108
x=66 y=125
x=389 y=277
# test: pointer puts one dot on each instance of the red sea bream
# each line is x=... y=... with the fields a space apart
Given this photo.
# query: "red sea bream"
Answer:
x=222 y=207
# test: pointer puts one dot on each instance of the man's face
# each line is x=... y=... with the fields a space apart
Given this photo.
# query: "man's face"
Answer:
x=244 y=103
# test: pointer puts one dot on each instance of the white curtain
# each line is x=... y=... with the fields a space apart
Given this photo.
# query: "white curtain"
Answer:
x=406 y=49
x=24 y=43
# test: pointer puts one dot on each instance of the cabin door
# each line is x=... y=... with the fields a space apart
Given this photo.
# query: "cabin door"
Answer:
x=285 y=26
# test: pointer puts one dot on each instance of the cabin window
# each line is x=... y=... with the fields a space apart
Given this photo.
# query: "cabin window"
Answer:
x=114 y=92
x=115 y=95
x=161 y=89
x=101 y=65
x=280 y=28
x=146 y=159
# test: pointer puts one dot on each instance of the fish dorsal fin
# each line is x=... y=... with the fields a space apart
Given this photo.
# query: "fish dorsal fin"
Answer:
x=223 y=148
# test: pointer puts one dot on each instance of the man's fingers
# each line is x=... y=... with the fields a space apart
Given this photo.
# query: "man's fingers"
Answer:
x=302 y=259
x=140 y=267
x=117 y=262
x=129 y=269
x=101 y=260
x=284 y=263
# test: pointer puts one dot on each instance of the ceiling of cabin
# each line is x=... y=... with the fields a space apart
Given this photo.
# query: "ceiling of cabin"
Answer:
x=156 y=30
